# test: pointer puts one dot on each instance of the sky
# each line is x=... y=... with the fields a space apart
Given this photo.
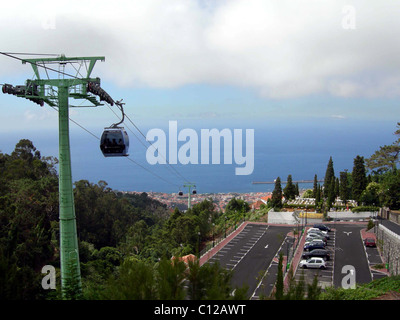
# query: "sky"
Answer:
x=225 y=63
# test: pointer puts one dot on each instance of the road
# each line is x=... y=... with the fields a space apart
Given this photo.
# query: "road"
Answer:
x=349 y=251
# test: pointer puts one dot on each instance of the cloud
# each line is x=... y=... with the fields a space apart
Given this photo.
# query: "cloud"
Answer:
x=282 y=49
x=338 y=116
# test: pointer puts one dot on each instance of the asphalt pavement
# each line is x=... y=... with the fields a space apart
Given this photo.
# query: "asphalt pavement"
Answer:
x=349 y=251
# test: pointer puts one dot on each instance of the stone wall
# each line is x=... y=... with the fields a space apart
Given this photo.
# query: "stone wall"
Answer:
x=389 y=244
x=391 y=215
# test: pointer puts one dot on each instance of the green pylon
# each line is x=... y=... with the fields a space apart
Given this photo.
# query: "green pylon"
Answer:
x=74 y=87
x=69 y=253
x=189 y=194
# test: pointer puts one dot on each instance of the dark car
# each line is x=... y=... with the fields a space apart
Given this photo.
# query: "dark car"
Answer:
x=311 y=246
x=369 y=242
x=320 y=253
x=322 y=227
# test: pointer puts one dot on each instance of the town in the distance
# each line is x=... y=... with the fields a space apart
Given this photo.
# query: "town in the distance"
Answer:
x=220 y=200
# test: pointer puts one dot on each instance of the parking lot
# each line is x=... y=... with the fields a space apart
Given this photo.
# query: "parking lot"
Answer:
x=253 y=256
x=325 y=277
x=347 y=249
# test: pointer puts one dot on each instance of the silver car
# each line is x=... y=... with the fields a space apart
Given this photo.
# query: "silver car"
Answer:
x=316 y=263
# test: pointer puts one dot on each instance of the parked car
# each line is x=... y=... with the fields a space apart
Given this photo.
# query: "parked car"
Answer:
x=322 y=227
x=318 y=263
x=314 y=245
x=315 y=236
x=370 y=242
x=316 y=230
x=315 y=241
x=319 y=253
x=320 y=233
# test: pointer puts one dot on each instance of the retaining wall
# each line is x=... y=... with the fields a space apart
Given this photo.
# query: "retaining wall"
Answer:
x=389 y=244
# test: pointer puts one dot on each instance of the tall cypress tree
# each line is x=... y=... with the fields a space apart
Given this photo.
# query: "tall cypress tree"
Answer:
x=318 y=195
x=359 y=178
x=289 y=191
x=329 y=174
x=315 y=186
x=337 y=192
x=343 y=189
x=331 y=193
x=276 y=198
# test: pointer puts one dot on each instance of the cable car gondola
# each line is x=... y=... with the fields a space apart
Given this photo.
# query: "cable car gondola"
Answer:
x=114 y=142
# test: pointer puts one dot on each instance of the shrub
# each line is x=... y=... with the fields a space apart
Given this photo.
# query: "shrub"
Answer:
x=364 y=209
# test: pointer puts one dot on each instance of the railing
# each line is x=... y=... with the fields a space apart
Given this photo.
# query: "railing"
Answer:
x=218 y=240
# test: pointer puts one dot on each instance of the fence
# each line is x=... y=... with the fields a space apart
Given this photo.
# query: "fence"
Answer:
x=218 y=240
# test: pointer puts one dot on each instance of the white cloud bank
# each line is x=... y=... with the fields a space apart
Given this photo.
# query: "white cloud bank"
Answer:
x=282 y=49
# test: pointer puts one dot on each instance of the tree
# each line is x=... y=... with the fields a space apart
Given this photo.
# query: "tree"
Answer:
x=313 y=290
x=170 y=278
x=337 y=187
x=276 y=197
x=279 y=280
x=359 y=178
x=370 y=196
x=329 y=174
x=134 y=281
x=318 y=195
x=331 y=193
x=343 y=187
x=315 y=186
x=237 y=205
x=391 y=187
x=289 y=192
x=384 y=159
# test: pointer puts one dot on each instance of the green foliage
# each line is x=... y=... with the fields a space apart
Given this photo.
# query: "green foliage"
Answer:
x=313 y=290
x=315 y=187
x=344 y=191
x=359 y=178
x=329 y=174
x=309 y=193
x=28 y=204
x=371 y=195
x=366 y=291
x=390 y=186
x=134 y=281
x=237 y=205
x=384 y=159
x=364 y=209
x=279 y=286
x=370 y=224
x=289 y=192
x=276 y=198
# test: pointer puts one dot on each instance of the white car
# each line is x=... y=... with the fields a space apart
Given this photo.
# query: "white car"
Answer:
x=317 y=230
x=315 y=236
x=315 y=262
x=322 y=235
x=311 y=240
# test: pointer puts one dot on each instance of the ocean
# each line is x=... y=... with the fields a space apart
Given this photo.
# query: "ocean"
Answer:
x=301 y=149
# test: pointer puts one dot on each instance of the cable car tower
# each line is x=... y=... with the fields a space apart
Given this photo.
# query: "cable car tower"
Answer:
x=190 y=186
x=57 y=93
